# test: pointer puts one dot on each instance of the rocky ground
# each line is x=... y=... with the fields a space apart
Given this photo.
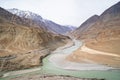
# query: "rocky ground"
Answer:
x=50 y=77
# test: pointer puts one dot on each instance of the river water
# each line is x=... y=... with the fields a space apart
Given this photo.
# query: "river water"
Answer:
x=50 y=68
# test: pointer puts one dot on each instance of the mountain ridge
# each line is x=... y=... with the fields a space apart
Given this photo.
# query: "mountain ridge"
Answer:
x=108 y=22
x=101 y=39
x=48 y=24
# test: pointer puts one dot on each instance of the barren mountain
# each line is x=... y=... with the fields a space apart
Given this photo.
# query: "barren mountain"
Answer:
x=102 y=34
x=105 y=26
x=49 y=25
x=22 y=45
x=85 y=26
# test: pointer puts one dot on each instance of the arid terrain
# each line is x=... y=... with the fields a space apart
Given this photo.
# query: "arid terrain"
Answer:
x=85 y=55
x=101 y=37
x=31 y=44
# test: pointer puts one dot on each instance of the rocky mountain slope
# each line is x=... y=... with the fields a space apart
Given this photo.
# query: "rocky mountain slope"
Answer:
x=106 y=26
x=22 y=45
x=101 y=34
x=49 y=25
x=85 y=26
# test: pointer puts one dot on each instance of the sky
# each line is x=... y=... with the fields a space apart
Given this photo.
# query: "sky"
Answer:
x=64 y=12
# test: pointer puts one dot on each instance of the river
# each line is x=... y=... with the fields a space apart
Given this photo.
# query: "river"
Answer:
x=49 y=68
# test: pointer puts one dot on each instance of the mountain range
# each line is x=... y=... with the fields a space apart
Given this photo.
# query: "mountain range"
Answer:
x=25 y=37
x=47 y=24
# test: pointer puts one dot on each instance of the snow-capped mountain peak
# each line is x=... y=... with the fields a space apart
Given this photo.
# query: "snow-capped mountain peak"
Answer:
x=47 y=24
x=25 y=14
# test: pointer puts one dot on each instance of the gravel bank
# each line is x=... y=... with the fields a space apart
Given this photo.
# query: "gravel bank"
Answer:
x=50 y=77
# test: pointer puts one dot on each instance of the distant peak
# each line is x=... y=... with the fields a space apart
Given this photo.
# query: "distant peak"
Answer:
x=14 y=8
x=25 y=14
x=94 y=17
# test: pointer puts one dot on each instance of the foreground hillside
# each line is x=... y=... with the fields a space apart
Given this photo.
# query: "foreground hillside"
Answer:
x=23 y=45
x=101 y=36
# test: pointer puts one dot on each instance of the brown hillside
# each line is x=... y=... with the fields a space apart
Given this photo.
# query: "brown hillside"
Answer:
x=102 y=35
x=106 y=26
x=23 y=45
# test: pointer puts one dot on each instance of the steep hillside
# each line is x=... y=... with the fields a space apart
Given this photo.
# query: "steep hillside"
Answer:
x=106 y=26
x=85 y=26
x=47 y=24
x=101 y=39
x=14 y=19
x=23 y=45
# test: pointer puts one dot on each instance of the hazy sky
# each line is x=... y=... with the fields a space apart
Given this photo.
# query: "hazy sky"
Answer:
x=65 y=12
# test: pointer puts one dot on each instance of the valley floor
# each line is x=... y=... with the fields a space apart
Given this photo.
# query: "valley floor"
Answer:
x=105 y=53
x=36 y=76
x=69 y=58
x=59 y=60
